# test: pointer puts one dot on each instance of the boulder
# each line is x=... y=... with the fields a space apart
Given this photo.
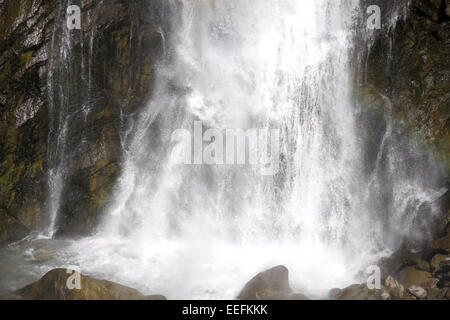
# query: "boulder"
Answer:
x=411 y=276
x=54 y=286
x=272 y=284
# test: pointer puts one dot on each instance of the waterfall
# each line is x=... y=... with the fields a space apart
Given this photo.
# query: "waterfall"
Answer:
x=202 y=231
x=59 y=96
x=70 y=94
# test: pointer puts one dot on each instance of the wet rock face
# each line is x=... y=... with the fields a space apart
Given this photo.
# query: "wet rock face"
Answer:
x=111 y=70
x=25 y=27
x=93 y=79
x=412 y=67
x=58 y=284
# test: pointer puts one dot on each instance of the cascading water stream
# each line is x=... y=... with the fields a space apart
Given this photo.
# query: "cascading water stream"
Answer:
x=202 y=231
x=69 y=91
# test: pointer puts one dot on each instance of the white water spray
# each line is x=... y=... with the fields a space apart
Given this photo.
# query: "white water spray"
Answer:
x=202 y=231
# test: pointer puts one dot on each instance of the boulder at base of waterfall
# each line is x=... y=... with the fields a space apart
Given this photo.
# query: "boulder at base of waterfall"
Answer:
x=272 y=284
x=54 y=286
x=411 y=276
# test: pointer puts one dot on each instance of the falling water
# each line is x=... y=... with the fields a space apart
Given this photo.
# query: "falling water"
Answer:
x=70 y=94
x=202 y=231
x=199 y=231
x=59 y=99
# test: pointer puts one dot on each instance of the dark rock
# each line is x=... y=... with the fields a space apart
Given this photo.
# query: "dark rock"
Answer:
x=272 y=284
x=442 y=272
x=10 y=228
x=24 y=32
x=107 y=72
x=416 y=79
x=122 y=40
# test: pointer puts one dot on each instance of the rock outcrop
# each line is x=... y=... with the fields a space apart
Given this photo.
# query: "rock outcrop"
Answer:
x=94 y=79
x=110 y=69
x=411 y=65
x=25 y=29
x=54 y=286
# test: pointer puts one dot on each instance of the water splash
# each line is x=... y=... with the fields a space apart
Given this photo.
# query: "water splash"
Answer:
x=203 y=231
x=243 y=64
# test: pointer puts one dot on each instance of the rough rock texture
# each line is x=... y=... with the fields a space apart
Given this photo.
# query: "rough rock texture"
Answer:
x=25 y=28
x=111 y=71
x=53 y=286
x=402 y=86
x=93 y=78
x=412 y=67
x=393 y=289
